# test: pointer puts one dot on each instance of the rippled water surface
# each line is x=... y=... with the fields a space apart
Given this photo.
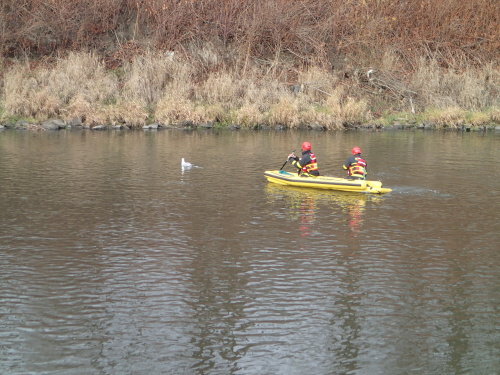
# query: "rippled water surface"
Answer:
x=114 y=260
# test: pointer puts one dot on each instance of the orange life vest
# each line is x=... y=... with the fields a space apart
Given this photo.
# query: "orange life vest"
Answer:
x=312 y=166
x=358 y=168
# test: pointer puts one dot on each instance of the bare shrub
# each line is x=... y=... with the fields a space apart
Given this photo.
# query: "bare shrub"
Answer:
x=207 y=56
x=41 y=27
x=310 y=32
x=391 y=60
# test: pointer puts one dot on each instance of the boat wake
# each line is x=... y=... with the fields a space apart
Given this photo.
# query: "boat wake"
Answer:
x=410 y=190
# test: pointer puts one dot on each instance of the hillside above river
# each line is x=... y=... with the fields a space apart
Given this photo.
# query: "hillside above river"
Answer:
x=318 y=64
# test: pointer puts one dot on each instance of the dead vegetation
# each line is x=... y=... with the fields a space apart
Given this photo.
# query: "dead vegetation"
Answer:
x=282 y=63
x=455 y=33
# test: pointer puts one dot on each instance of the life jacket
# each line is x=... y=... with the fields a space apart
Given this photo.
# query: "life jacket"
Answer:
x=358 y=168
x=312 y=166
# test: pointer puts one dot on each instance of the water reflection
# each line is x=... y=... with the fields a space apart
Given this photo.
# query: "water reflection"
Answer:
x=304 y=203
x=340 y=269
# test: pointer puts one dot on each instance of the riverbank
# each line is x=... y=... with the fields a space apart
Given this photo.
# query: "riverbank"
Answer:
x=76 y=124
x=328 y=65
x=167 y=90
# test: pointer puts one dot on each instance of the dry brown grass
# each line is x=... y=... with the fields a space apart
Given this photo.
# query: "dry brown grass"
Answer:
x=249 y=115
x=222 y=88
x=235 y=60
x=345 y=110
x=446 y=117
x=494 y=115
x=173 y=110
x=479 y=118
x=316 y=83
x=471 y=89
x=146 y=76
x=284 y=113
x=80 y=107
x=46 y=92
x=129 y=112
x=153 y=87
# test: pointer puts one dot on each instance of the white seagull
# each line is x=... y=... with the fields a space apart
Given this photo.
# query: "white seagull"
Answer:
x=185 y=164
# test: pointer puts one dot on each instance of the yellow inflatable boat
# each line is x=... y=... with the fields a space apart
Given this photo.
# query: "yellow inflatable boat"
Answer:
x=325 y=182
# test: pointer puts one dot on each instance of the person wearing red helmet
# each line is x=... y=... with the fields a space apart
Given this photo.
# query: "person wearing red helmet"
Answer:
x=307 y=163
x=356 y=166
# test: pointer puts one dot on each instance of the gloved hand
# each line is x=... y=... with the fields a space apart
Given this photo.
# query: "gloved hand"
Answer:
x=292 y=157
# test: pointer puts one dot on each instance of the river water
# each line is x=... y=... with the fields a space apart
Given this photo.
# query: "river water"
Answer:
x=114 y=260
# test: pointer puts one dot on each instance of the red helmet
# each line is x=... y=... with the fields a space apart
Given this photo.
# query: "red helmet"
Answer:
x=356 y=150
x=306 y=146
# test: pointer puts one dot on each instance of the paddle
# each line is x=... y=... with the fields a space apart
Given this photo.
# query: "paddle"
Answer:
x=286 y=161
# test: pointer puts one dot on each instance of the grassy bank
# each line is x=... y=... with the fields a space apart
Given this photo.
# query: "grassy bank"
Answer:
x=157 y=88
x=323 y=64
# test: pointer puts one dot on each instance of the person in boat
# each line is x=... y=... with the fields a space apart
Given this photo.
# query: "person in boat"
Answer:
x=307 y=164
x=356 y=166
